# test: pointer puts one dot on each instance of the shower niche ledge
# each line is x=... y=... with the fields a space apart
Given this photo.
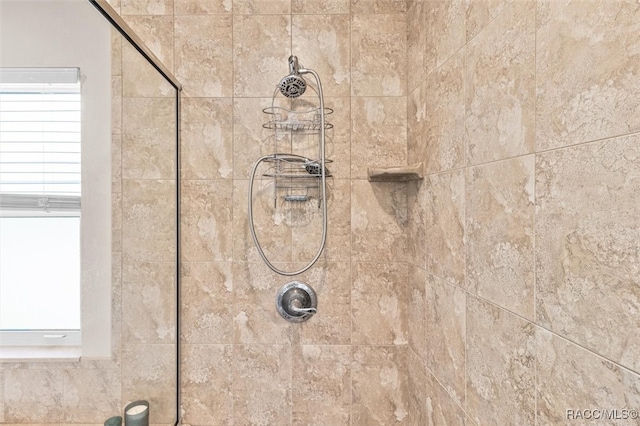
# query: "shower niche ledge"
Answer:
x=396 y=173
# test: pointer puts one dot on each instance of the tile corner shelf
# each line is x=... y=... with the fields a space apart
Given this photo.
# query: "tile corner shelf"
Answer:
x=395 y=173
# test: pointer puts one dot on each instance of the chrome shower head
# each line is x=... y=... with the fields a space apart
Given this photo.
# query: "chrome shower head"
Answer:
x=293 y=85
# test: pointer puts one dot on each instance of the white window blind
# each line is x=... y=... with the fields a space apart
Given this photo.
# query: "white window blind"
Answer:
x=40 y=140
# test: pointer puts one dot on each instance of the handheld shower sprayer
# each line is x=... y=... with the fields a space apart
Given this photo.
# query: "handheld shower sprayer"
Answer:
x=293 y=85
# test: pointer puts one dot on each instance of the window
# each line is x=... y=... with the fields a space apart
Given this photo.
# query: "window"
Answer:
x=40 y=206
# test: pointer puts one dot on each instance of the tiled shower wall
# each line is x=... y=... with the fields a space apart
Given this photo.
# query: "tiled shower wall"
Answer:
x=242 y=363
x=525 y=284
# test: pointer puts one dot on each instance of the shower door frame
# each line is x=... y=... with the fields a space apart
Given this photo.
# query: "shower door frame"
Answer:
x=125 y=30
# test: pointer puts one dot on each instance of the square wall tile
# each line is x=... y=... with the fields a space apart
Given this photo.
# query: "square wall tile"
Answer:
x=156 y=31
x=261 y=48
x=146 y=7
x=207 y=138
x=207 y=381
x=378 y=133
x=416 y=228
x=379 y=221
x=261 y=7
x=441 y=409
x=33 y=396
x=587 y=248
x=500 y=86
x=322 y=43
x=207 y=234
x=376 y=71
x=332 y=324
x=378 y=304
x=262 y=384
x=445 y=332
x=588 y=76
x=148 y=372
x=444 y=132
x=322 y=383
x=139 y=78
x=416 y=312
x=570 y=377
x=480 y=13
x=445 y=26
x=417 y=388
x=499 y=209
x=320 y=6
x=445 y=226
x=148 y=302
x=207 y=303
x=378 y=6
x=91 y=395
x=202 y=7
x=500 y=366
x=380 y=388
x=416 y=44
x=204 y=55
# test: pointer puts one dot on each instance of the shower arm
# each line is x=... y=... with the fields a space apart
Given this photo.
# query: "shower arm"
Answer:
x=324 y=190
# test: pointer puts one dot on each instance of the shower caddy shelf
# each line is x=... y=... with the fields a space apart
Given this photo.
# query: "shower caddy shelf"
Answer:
x=294 y=174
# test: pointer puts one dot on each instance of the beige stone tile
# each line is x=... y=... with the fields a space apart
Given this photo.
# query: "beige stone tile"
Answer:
x=321 y=43
x=262 y=384
x=588 y=73
x=445 y=331
x=379 y=385
x=378 y=221
x=416 y=312
x=416 y=384
x=480 y=13
x=207 y=138
x=33 y=396
x=116 y=105
x=149 y=220
x=322 y=385
x=148 y=302
x=116 y=53
x=256 y=319
x=140 y=78
x=202 y=7
x=2 y=396
x=91 y=396
x=320 y=6
x=416 y=228
x=440 y=408
x=116 y=163
x=499 y=208
x=332 y=324
x=500 y=366
x=378 y=6
x=115 y=4
x=272 y=225
x=207 y=212
x=156 y=32
x=445 y=25
x=378 y=55
x=500 y=87
x=445 y=226
x=250 y=140
x=261 y=7
x=204 y=55
x=444 y=118
x=146 y=7
x=378 y=132
x=416 y=44
x=207 y=384
x=148 y=139
x=379 y=296
x=148 y=372
x=587 y=246
x=417 y=124
x=260 y=51
x=570 y=377
x=207 y=302
x=306 y=224
x=116 y=216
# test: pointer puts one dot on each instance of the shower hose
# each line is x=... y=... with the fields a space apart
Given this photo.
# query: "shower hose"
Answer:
x=323 y=238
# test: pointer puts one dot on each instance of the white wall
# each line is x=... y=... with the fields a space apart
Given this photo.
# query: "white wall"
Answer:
x=71 y=33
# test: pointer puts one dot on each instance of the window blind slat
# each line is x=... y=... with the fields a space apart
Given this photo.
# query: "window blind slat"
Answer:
x=40 y=152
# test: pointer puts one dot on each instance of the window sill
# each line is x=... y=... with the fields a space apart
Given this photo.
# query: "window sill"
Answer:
x=40 y=354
